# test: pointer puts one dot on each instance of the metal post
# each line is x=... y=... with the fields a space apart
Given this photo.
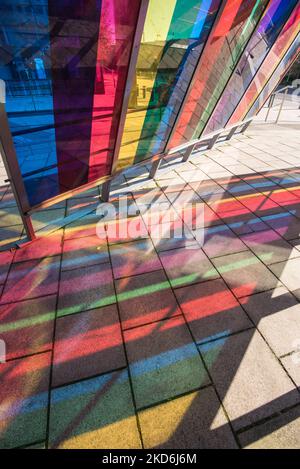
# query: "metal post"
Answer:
x=231 y=133
x=188 y=153
x=246 y=126
x=281 y=105
x=269 y=108
x=105 y=190
x=155 y=166
x=213 y=140
x=12 y=167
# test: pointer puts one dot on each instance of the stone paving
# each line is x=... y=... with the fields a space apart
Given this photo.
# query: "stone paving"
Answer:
x=121 y=335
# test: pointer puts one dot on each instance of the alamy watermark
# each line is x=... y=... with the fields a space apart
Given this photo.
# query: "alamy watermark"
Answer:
x=128 y=220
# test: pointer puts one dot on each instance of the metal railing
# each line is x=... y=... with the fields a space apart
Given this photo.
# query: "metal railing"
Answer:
x=271 y=102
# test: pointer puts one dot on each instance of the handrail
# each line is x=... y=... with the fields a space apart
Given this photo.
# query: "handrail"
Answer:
x=271 y=101
x=210 y=136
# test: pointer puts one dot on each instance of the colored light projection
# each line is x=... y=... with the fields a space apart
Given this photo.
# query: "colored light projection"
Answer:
x=65 y=64
x=270 y=27
x=276 y=54
x=171 y=45
x=277 y=76
x=165 y=315
x=224 y=48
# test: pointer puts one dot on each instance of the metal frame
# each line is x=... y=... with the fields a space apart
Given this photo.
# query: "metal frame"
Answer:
x=188 y=153
x=11 y=164
x=156 y=162
x=210 y=140
x=105 y=191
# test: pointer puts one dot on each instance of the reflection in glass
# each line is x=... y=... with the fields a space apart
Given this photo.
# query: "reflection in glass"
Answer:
x=65 y=64
x=222 y=53
x=259 y=46
x=277 y=76
x=174 y=35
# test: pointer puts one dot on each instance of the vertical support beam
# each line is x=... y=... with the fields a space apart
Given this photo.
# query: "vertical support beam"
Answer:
x=12 y=168
x=270 y=105
x=156 y=162
x=29 y=230
x=213 y=140
x=130 y=77
x=105 y=190
x=188 y=153
x=231 y=133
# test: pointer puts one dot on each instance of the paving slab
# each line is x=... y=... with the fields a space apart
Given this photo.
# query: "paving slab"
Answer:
x=289 y=274
x=24 y=397
x=211 y=310
x=163 y=361
x=31 y=279
x=245 y=274
x=27 y=326
x=81 y=252
x=220 y=240
x=136 y=257
x=145 y=298
x=46 y=246
x=187 y=265
x=194 y=421
x=85 y=288
x=276 y=314
x=269 y=246
x=97 y=413
x=87 y=344
x=249 y=379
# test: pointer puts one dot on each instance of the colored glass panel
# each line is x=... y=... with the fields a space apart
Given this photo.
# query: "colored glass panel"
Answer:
x=117 y=27
x=221 y=56
x=25 y=66
x=174 y=35
x=290 y=31
x=259 y=46
x=276 y=78
x=65 y=64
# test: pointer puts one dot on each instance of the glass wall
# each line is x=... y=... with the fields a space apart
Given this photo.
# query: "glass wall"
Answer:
x=174 y=36
x=65 y=65
x=222 y=53
x=259 y=46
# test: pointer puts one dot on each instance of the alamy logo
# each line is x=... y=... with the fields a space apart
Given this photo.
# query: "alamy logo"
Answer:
x=126 y=220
